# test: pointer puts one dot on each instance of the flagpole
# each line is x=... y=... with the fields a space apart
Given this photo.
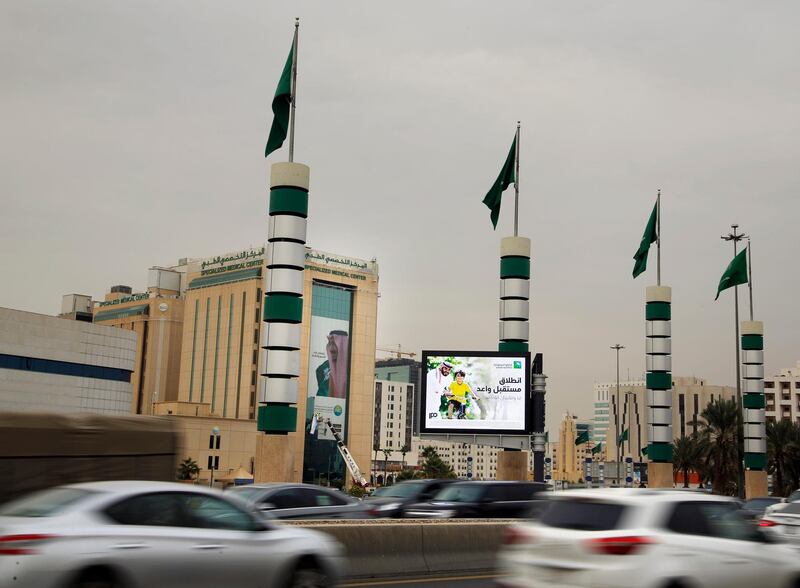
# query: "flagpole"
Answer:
x=516 y=186
x=739 y=420
x=294 y=89
x=658 y=242
x=750 y=275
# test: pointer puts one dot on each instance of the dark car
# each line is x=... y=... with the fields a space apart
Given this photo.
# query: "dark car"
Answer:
x=300 y=501
x=478 y=500
x=754 y=508
x=392 y=501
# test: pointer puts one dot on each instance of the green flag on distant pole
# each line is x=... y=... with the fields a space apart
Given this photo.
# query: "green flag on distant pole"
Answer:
x=650 y=236
x=283 y=103
x=597 y=448
x=507 y=176
x=623 y=437
x=582 y=438
x=735 y=274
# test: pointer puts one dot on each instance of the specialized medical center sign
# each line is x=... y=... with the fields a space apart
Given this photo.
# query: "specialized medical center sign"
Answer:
x=475 y=392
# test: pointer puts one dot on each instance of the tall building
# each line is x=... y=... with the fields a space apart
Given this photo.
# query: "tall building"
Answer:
x=602 y=407
x=690 y=396
x=53 y=364
x=392 y=424
x=782 y=395
x=567 y=457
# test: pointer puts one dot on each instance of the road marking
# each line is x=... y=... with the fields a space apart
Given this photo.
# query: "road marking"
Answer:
x=423 y=579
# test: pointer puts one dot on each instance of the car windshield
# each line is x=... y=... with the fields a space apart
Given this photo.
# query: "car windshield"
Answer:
x=47 y=503
x=460 y=493
x=582 y=515
x=399 y=490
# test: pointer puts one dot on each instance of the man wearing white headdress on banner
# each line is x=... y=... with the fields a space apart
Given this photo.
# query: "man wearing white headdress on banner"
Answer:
x=439 y=380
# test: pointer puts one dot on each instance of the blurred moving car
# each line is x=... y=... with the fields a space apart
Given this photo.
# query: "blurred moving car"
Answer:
x=300 y=501
x=644 y=539
x=392 y=501
x=480 y=500
x=784 y=524
x=147 y=534
x=793 y=497
x=754 y=508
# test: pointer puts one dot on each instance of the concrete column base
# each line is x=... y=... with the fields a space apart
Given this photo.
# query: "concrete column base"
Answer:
x=659 y=475
x=755 y=484
x=512 y=465
x=274 y=460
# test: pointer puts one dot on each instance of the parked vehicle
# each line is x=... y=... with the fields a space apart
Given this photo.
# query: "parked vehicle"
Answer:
x=784 y=524
x=754 y=508
x=143 y=534
x=392 y=501
x=300 y=501
x=490 y=500
x=643 y=539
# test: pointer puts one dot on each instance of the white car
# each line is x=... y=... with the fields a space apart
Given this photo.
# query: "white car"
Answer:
x=792 y=498
x=783 y=524
x=154 y=535
x=644 y=539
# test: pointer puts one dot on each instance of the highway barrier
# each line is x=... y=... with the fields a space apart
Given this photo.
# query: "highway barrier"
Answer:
x=386 y=547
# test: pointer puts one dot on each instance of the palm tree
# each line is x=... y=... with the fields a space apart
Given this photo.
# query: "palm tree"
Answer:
x=376 y=448
x=188 y=469
x=686 y=455
x=386 y=453
x=403 y=451
x=718 y=440
x=783 y=452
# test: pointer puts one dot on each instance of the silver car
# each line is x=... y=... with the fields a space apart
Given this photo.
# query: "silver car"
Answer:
x=148 y=534
x=300 y=501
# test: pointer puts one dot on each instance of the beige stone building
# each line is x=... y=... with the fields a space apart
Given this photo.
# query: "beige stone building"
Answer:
x=690 y=395
x=567 y=457
x=199 y=328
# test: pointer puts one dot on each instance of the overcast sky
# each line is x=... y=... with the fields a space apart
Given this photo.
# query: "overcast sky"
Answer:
x=133 y=134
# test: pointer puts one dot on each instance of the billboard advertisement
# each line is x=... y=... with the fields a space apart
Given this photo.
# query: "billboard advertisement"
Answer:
x=475 y=392
x=328 y=380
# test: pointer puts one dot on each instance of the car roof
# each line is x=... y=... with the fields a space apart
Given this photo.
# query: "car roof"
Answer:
x=637 y=495
x=136 y=486
x=278 y=485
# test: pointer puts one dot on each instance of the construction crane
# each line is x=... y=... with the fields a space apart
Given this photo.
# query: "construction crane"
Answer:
x=352 y=466
x=398 y=352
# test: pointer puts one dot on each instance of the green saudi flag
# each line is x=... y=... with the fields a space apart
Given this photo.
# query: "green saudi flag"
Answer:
x=650 y=236
x=735 y=274
x=506 y=177
x=281 y=104
x=582 y=438
x=623 y=437
x=597 y=448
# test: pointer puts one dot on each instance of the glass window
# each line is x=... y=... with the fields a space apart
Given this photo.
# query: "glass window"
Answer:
x=162 y=509
x=210 y=512
x=46 y=503
x=323 y=498
x=726 y=523
x=583 y=515
x=465 y=492
x=290 y=498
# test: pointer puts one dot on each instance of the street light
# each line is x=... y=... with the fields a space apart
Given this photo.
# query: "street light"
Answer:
x=213 y=460
x=617 y=347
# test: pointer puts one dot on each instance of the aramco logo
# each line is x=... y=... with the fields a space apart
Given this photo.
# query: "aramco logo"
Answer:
x=517 y=365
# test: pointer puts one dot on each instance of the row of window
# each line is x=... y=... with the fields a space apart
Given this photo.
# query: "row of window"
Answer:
x=63 y=368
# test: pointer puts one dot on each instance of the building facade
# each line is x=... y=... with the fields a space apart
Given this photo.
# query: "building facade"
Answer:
x=782 y=395
x=53 y=364
x=690 y=396
x=602 y=418
x=394 y=401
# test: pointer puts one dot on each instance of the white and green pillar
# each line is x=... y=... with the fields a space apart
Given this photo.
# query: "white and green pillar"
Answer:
x=753 y=404
x=515 y=288
x=658 y=316
x=282 y=314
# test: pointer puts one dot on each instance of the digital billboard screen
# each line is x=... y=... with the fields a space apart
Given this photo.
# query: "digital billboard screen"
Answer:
x=475 y=392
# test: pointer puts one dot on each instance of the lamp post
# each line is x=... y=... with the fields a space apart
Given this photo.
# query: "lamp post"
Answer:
x=213 y=460
x=617 y=347
x=736 y=237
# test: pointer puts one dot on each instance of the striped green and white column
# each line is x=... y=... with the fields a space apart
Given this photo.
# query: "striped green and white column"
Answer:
x=515 y=288
x=755 y=433
x=279 y=362
x=658 y=347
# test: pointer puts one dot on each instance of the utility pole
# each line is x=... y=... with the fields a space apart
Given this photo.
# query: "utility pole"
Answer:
x=736 y=237
x=617 y=348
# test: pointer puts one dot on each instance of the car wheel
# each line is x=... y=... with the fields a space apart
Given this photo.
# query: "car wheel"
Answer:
x=97 y=578
x=309 y=577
